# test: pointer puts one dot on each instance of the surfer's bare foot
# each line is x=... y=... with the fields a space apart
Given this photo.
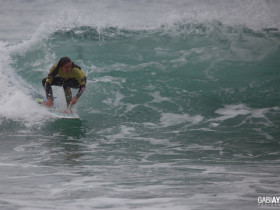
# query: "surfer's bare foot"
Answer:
x=67 y=111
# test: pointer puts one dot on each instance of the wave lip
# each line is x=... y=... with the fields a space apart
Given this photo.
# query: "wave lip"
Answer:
x=140 y=15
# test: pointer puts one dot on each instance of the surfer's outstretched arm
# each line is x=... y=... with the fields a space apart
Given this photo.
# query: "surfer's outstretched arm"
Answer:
x=49 y=95
x=48 y=91
x=80 y=92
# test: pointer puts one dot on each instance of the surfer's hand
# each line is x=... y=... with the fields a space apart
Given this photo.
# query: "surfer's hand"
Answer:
x=74 y=100
x=49 y=102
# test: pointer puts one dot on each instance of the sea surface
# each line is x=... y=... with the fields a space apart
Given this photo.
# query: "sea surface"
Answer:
x=181 y=110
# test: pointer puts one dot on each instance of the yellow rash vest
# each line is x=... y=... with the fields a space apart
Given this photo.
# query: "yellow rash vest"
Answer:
x=76 y=73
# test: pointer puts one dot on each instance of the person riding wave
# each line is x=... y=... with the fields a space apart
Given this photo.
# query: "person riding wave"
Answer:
x=68 y=75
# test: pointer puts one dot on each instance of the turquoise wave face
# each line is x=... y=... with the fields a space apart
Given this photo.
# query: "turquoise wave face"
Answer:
x=202 y=80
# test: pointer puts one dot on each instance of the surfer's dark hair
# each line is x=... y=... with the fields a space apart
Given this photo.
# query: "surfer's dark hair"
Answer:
x=62 y=61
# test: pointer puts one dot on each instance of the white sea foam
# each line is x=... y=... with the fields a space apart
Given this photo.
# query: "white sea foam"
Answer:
x=15 y=101
x=232 y=111
x=158 y=98
x=170 y=119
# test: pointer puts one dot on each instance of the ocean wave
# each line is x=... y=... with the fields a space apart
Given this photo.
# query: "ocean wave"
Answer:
x=188 y=62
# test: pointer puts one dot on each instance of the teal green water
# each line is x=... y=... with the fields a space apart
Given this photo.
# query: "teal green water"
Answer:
x=181 y=117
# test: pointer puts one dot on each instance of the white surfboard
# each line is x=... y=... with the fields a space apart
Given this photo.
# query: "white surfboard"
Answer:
x=56 y=112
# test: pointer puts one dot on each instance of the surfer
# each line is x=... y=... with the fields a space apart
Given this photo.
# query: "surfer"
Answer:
x=68 y=75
